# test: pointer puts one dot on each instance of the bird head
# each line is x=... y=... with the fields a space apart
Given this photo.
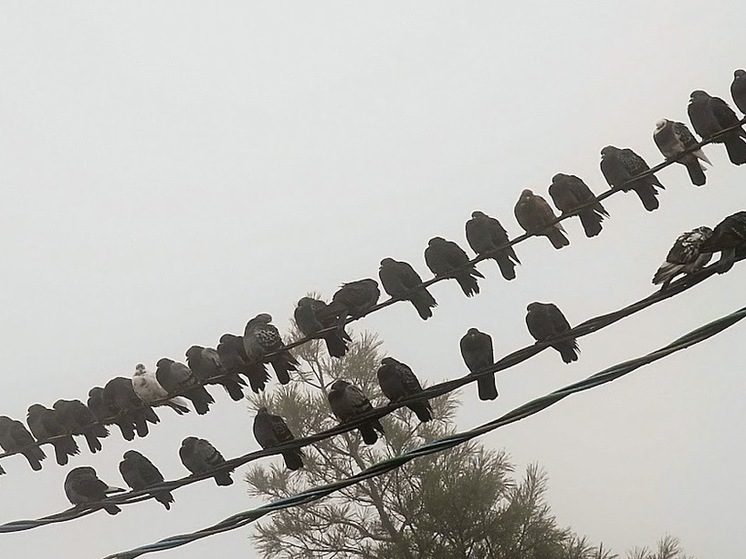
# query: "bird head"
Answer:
x=739 y=74
x=164 y=362
x=264 y=318
x=263 y=409
x=189 y=442
x=535 y=306
x=608 y=150
x=132 y=455
x=472 y=332
x=558 y=177
x=698 y=94
x=194 y=352
x=388 y=361
x=476 y=214
x=526 y=194
x=140 y=369
x=340 y=384
x=436 y=240
x=387 y=262
x=306 y=302
x=661 y=124
x=95 y=392
x=83 y=470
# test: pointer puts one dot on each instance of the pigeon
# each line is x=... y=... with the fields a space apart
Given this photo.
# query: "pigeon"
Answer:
x=738 y=90
x=14 y=437
x=44 y=424
x=684 y=257
x=673 y=138
x=728 y=236
x=476 y=349
x=82 y=422
x=177 y=378
x=353 y=299
x=83 y=486
x=569 y=192
x=443 y=257
x=233 y=356
x=149 y=390
x=401 y=281
x=545 y=321
x=398 y=382
x=260 y=338
x=132 y=414
x=199 y=457
x=486 y=235
x=620 y=165
x=207 y=366
x=711 y=115
x=307 y=317
x=347 y=402
x=140 y=473
x=271 y=431
x=535 y=215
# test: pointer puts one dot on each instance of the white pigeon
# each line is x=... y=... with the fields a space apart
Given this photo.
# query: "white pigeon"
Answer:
x=150 y=391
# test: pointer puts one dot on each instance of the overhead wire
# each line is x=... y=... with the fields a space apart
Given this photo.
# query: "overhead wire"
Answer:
x=587 y=327
x=526 y=410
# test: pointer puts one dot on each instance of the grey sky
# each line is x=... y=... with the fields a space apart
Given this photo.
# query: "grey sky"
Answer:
x=170 y=169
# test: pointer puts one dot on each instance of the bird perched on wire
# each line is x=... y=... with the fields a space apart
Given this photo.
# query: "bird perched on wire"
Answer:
x=447 y=259
x=233 y=356
x=619 y=166
x=14 y=437
x=401 y=281
x=728 y=237
x=199 y=457
x=177 y=378
x=347 y=402
x=569 y=192
x=80 y=421
x=260 y=338
x=476 y=349
x=738 y=90
x=45 y=424
x=685 y=256
x=535 y=215
x=353 y=300
x=83 y=486
x=132 y=414
x=486 y=235
x=545 y=321
x=207 y=366
x=140 y=473
x=674 y=138
x=271 y=431
x=398 y=382
x=710 y=116
x=148 y=388
x=308 y=315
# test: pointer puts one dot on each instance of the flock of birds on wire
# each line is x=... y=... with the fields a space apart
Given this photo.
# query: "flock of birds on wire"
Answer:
x=128 y=402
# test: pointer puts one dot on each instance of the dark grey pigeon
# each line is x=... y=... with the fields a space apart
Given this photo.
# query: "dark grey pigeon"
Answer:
x=199 y=457
x=568 y=193
x=260 y=338
x=486 y=235
x=82 y=422
x=685 y=256
x=476 y=349
x=83 y=486
x=738 y=90
x=353 y=299
x=711 y=115
x=397 y=382
x=14 y=437
x=45 y=424
x=444 y=257
x=177 y=378
x=233 y=356
x=132 y=414
x=535 y=215
x=207 y=366
x=728 y=237
x=545 y=321
x=620 y=165
x=271 y=431
x=140 y=473
x=674 y=138
x=347 y=402
x=401 y=281
x=308 y=315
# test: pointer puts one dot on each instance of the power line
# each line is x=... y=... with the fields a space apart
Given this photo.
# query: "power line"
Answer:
x=526 y=410
x=587 y=327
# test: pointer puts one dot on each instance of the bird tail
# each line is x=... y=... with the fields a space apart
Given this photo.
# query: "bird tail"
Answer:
x=126 y=426
x=591 y=222
x=165 y=498
x=223 y=479
x=421 y=410
x=283 y=364
x=699 y=154
x=568 y=350
x=178 y=404
x=487 y=388
x=736 y=149
x=94 y=445
x=557 y=238
x=141 y=423
x=369 y=434
x=424 y=302
x=65 y=447
x=335 y=344
x=112 y=509
x=647 y=195
x=34 y=455
x=507 y=267
x=201 y=399
x=293 y=459
x=696 y=171
x=468 y=281
x=257 y=375
x=233 y=387
x=666 y=273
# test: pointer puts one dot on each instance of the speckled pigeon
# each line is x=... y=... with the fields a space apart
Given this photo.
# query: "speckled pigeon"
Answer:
x=711 y=115
x=83 y=486
x=177 y=378
x=347 y=402
x=140 y=473
x=206 y=364
x=620 y=165
x=397 y=382
x=685 y=256
x=260 y=338
x=199 y=457
x=672 y=139
x=728 y=237
x=271 y=431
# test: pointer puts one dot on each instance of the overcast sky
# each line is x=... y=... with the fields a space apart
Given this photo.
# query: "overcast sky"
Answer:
x=171 y=169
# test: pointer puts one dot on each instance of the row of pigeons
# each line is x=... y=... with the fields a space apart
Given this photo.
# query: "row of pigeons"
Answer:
x=237 y=360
